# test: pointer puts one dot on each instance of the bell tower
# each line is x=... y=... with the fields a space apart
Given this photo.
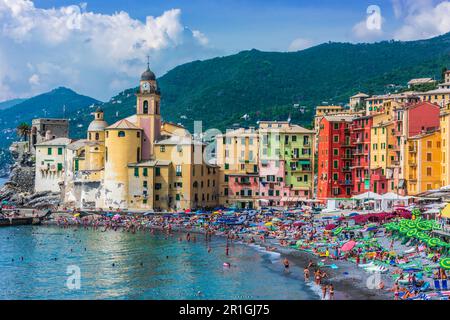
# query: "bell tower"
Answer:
x=148 y=112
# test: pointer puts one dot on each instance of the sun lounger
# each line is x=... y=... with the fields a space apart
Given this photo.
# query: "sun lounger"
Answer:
x=444 y=285
x=437 y=285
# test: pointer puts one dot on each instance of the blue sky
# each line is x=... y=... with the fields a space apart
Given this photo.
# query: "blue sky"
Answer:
x=99 y=47
x=235 y=25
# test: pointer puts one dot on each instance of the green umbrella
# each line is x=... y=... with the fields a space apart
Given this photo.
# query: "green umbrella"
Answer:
x=424 y=226
x=445 y=263
x=434 y=242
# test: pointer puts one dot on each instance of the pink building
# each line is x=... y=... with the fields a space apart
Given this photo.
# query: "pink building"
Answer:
x=272 y=190
x=242 y=188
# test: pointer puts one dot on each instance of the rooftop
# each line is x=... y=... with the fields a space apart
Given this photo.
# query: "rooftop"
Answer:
x=56 y=142
x=124 y=124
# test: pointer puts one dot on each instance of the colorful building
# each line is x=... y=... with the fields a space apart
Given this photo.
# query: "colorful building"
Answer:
x=137 y=163
x=334 y=174
x=360 y=138
x=423 y=158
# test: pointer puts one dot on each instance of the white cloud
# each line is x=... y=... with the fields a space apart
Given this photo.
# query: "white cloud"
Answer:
x=34 y=80
x=86 y=51
x=425 y=21
x=300 y=44
x=371 y=28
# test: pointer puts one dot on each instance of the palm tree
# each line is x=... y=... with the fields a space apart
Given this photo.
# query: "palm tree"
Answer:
x=23 y=130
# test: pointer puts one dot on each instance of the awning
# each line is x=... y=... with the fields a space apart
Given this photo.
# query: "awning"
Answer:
x=445 y=213
x=293 y=199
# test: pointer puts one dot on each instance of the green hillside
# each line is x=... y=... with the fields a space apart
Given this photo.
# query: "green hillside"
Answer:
x=57 y=103
x=10 y=103
x=266 y=85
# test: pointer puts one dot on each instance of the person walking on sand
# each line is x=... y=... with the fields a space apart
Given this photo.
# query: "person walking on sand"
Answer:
x=331 y=292
x=324 y=291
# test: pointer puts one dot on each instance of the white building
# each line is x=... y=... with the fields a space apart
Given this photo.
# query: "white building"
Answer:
x=51 y=164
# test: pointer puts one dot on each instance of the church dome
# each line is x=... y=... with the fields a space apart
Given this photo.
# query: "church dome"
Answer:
x=97 y=125
x=148 y=75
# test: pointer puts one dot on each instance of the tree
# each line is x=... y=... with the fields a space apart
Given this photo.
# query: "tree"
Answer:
x=23 y=130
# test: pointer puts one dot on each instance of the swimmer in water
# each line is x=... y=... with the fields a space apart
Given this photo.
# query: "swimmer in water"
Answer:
x=286 y=264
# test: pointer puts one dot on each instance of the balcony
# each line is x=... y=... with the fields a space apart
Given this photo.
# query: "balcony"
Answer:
x=412 y=163
x=347 y=156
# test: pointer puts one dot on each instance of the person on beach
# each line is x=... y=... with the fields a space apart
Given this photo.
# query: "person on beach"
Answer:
x=331 y=292
x=324 y=291
x=306 y=274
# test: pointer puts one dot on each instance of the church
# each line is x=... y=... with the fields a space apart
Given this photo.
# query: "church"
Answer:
x=138 y=163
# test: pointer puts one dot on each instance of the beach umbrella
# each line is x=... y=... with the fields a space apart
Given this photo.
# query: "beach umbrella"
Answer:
x=348 y=246
x=445 y=263
x=434 y=242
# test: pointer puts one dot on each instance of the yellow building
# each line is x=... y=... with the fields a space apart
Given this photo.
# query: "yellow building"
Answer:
x=445 y=145
x=423 y=158
x=140 y=162
x=440 y=96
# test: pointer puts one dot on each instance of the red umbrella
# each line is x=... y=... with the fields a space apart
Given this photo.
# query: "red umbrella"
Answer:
x=348 y=246
x=331 y=226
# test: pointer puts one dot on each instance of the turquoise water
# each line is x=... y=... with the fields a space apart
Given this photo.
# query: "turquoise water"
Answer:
x=146 y=267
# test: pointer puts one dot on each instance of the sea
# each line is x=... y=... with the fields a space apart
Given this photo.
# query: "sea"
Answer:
x=48 y=262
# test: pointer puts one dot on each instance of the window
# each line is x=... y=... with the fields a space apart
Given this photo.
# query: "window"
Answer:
x=49 y=151
x=145 y=108
x=121 y=134
x=60 y=151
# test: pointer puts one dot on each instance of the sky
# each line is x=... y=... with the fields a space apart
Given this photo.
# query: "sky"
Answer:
x=99 y=48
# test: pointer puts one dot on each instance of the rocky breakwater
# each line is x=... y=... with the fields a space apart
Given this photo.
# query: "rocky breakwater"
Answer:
x=19 y=189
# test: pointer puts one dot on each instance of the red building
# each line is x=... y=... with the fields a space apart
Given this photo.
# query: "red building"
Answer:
x=335 y=157
x=360 y=138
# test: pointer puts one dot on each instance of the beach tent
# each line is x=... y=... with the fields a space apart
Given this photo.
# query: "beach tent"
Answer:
x=370 y=196
x=388 y=200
